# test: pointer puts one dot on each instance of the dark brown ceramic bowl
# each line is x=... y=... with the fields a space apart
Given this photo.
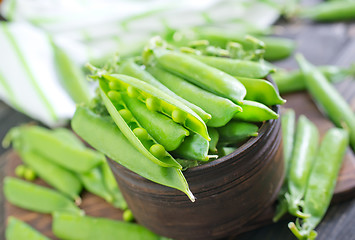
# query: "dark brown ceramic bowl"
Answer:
x=230 y=191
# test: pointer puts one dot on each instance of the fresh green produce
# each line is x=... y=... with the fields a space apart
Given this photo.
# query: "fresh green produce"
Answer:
x=56 y=176
x=162 y=128
x=221 y=109
x=201 y=74
x=236 y=67
x=236 y=132
x=101 y=133
x=304 y=152
x=36 y=198
x=321 y=183
x=255 y=112
x=20 y=170
x=195 y=147
x=328 y=99
x=18 y=230
x=68 y=226
x=294 y=80
x=262 y=91
x=52 y=147
x=130 y=68
x=214 y=139
x=128 y=125
x=330 y=11
x=127 y=216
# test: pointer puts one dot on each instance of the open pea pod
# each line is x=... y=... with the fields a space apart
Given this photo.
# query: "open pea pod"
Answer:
x=255 y=112
x=157 y=100
x=102 y=134
x=162 y=128
x=129 y=126
x=201 y=74
x=221 y=109
x=132 y=69
x=262 y=91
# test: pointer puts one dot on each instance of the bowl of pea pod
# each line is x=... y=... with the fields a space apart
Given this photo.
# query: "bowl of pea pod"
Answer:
x=193 y=134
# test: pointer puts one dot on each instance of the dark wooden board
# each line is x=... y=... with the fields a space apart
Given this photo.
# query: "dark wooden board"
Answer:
x=95 y=206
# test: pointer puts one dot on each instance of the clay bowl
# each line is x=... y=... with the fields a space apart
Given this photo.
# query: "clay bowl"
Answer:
x=230 y=191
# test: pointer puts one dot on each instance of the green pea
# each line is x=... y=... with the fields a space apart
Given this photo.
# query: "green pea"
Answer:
x=29 y=174
x=179 y=116
x=141 y=133
x=114 y=95
x=17 y=230
x=20 y=170
x=157 y=150
x=132 y=92
x=128 y=216
x=126 y=115
x=153 y=104
x=114 y=85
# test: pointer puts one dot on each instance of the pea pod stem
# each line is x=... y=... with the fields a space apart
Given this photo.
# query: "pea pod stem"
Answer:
x=102 y=134
x=328 y=99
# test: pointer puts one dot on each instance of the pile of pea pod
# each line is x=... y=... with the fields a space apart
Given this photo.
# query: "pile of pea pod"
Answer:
x=177 y=107
x=61 y=159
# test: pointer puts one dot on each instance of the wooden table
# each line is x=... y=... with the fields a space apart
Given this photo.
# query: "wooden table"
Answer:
x=326 y=43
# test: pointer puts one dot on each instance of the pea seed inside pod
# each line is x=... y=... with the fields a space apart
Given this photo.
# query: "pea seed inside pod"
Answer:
x=114 y=95
x=179 y=116
x=114 y=85
x=126 y=115
x=153 y=104
x=132 y=92
x=157 y=150
x=140 y=133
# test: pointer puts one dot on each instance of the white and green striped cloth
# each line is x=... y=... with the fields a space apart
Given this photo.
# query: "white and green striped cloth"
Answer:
x=89 y=30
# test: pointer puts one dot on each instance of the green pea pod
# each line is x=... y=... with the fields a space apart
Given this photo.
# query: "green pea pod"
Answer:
x=54 y=148
x=330 y=11
x=187 y=163
x=130 y=68
x=304 y=152
x=36 y=198
x=221 y=109
x=294 y=80
x=67 y=135
x=71 y=76
x=56 y=176
x=163 y=129
x=262 y=91
x=156 y=100
x=67 y=226
x=236 y=131
x=201 y=74
x=194 y=147
x=102 y=134
x=17 y=230
x=214 y=139
x=275 y=48
x=328 y=99
x=112 y=186
x=224 y=151
x=236 y=67
x=128 y=125
x=255 y=112
x=93 y=182
x=322 y=180
x=288 y=121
